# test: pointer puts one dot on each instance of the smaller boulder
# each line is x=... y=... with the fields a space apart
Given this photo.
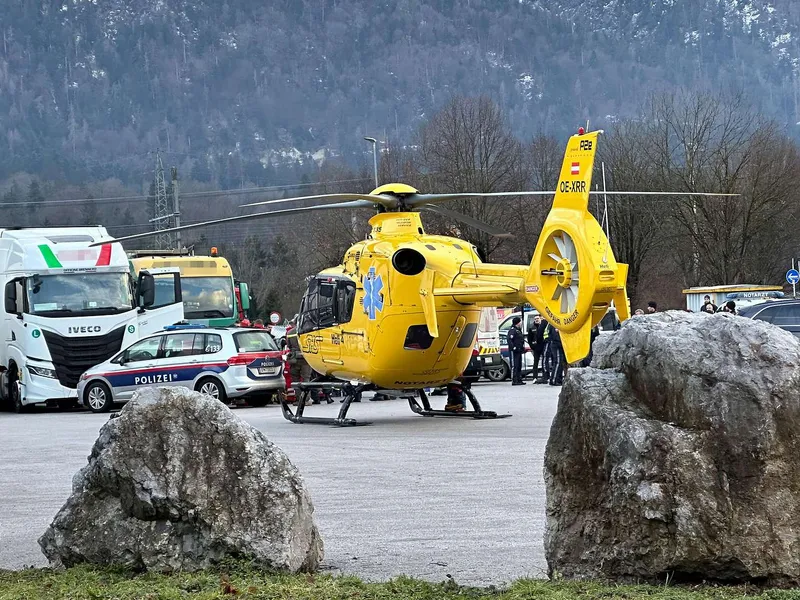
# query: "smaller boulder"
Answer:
x=178 y=482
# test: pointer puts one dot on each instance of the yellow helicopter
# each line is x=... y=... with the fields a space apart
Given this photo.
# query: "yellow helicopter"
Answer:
x=400 y=313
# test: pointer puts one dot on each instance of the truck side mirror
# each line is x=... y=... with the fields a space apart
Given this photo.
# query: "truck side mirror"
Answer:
x=11 y=297
x=244 y=294
x=147 y=290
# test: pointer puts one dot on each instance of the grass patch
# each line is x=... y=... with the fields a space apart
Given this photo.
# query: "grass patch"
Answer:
x=84 y=583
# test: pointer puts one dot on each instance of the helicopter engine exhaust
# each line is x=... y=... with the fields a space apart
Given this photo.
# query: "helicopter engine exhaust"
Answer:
x=408 y=261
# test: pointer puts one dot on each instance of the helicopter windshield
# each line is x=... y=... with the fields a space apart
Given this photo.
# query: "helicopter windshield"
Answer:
x=327 y=302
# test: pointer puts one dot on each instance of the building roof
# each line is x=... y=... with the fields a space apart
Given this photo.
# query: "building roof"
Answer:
x=727 y=289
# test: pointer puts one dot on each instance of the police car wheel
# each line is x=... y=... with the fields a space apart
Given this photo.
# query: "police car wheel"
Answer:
x=211 y=387
x=501 y=373
x=98 y=397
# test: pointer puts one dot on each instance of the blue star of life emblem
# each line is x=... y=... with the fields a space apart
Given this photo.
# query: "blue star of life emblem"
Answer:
x=373 y=298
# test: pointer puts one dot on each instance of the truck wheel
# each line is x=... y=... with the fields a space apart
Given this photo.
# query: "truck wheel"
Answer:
x=211 y=387
x=501 y=373
x=13 y=391
x=98 y=397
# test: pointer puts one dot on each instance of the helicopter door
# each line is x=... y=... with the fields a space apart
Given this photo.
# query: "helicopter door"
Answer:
x=455 y=335
x=331 y=345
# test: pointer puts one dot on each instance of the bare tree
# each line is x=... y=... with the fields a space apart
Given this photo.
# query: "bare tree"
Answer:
x=719 y=144
x=468 y=147
x=635 y=223
x=543 y=156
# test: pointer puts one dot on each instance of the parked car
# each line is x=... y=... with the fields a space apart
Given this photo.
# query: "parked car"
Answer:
x=223 y=362
x=783 y=313
x=485 y=361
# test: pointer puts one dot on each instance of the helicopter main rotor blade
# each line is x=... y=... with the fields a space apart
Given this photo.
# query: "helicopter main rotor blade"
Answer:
x=601 y=192
x=375 y=199
x=477 y=224
x=419 y=199
x=274 y=213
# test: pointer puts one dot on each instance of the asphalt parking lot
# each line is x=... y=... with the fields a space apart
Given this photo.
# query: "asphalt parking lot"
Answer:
x=407 y=495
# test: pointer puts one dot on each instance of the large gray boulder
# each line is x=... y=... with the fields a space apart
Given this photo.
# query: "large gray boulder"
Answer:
x=177 y=481
x=677 y=455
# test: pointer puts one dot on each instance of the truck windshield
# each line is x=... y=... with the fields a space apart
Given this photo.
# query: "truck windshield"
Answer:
x=79 y=294
x=207 y=297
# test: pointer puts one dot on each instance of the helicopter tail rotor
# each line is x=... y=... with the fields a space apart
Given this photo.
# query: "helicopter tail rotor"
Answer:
x=574 y=277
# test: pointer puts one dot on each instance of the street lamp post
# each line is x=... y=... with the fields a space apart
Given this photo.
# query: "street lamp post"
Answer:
x=374 y=143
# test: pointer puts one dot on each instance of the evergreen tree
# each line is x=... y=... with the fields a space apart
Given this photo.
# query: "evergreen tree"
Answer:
x=272 y=302
x=33 y=206
x=127 y=218
x=201 y=172
x=89 y=215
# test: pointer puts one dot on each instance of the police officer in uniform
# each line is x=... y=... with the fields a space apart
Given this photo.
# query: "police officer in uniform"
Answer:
x=536 y=340
x=516 y=347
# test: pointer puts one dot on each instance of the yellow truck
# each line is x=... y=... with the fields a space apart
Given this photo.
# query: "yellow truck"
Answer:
x=210 y=294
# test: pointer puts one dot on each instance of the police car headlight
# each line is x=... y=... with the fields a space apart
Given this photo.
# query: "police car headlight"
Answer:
x=42 y=372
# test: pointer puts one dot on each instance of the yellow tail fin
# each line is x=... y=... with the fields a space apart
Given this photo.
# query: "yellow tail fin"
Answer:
x=574 y=276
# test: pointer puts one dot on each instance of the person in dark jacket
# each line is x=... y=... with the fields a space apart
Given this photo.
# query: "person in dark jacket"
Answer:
x=516 y=349
x=299 y=369
x=730 y=307
x=706 y=302
x=536 y=342
x=588 y=360
x=557 y=352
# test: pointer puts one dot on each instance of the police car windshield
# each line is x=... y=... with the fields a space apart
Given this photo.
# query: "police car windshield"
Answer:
x=254 y=341
x=79 y=294
x=207 y=297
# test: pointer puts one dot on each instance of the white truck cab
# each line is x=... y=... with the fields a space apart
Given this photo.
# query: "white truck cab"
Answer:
x=69 y=305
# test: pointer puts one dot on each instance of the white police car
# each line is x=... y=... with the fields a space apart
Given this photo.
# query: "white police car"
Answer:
x=223 y=362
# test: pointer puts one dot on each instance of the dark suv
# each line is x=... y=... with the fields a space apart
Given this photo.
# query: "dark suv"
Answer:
x=783 y=313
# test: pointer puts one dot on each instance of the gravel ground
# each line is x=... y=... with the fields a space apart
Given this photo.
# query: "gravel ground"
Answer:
x=408 y=495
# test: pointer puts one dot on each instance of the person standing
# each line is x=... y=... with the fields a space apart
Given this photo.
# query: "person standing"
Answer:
x=299 y=369
x=593 y=336
x=516 y=349
x=536 y=342
x=706 y=302
x=557 y=352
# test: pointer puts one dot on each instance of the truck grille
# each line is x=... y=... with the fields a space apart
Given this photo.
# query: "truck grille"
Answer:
x=73 y=355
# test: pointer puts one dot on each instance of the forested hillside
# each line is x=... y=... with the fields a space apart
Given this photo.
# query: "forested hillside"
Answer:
x=245 y=93
x=233 y=90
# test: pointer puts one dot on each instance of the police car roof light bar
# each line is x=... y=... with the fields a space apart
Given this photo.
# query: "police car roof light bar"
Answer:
x=188 y=326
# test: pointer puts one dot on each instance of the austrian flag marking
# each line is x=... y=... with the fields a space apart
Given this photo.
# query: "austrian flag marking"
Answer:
x=575 y=169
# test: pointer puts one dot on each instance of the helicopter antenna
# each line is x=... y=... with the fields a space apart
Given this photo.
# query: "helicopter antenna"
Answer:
x=605 y=211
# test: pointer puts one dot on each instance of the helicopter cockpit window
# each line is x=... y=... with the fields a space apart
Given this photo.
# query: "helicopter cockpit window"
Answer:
x=326 y=303
x=418 y=338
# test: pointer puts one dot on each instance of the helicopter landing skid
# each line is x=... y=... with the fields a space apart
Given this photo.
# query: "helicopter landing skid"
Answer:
x=477 y=413
x=303 y=393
